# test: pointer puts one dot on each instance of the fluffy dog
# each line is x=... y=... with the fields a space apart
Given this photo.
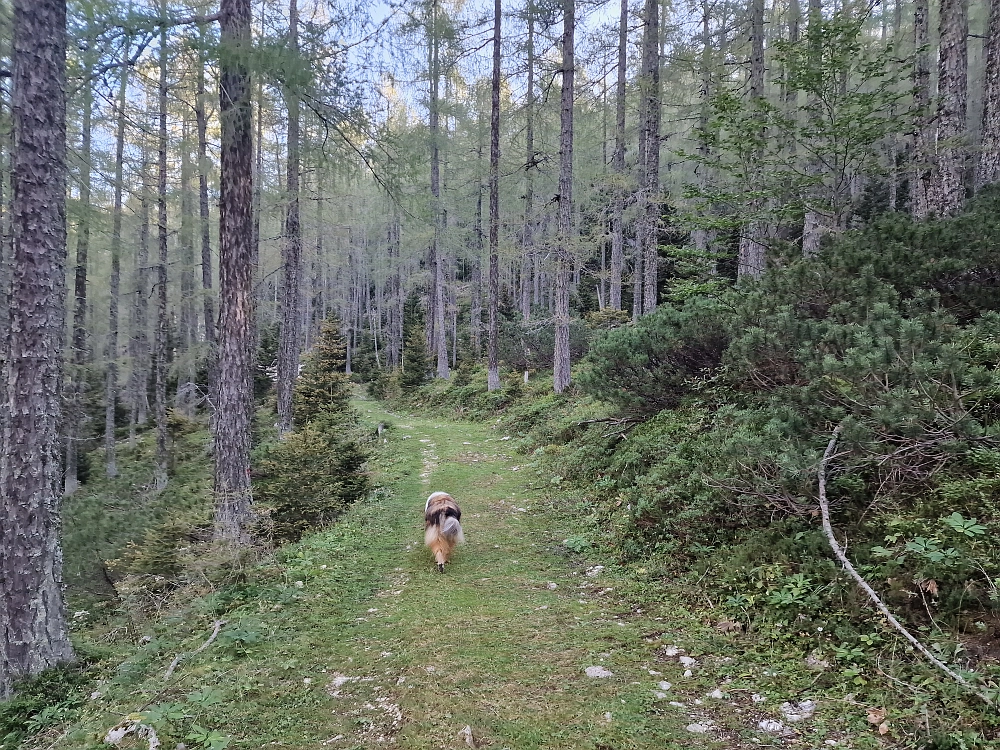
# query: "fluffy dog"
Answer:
x=443 y=529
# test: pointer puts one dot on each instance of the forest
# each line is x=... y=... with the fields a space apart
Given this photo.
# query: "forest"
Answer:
x=715 y=285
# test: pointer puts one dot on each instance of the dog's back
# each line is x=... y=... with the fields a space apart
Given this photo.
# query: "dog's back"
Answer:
x=443 y=527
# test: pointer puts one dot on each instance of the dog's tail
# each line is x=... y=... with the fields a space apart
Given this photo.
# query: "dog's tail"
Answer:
x=452 y=530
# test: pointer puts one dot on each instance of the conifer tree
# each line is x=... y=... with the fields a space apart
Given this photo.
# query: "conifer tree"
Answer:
x=323 y=384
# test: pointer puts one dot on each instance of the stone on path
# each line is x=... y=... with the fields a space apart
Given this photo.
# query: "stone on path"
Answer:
x=598 y=672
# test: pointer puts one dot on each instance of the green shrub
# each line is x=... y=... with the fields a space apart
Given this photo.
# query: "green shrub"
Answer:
x=308 y=479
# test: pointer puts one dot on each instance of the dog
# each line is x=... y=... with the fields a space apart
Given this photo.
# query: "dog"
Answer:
x=442 y=526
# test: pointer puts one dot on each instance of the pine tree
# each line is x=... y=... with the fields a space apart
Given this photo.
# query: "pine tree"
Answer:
x=323 y=384
x=416 y=358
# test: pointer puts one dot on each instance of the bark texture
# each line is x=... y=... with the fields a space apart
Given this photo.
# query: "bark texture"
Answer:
x=493 y=281
x=923 y=135
x=948 y=194
x=618 y=167
x=564 y=253
x=33 y=633
x=237 y=259
x=988 y=167
x=288 y=353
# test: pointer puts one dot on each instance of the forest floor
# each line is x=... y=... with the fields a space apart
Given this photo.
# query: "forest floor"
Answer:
x=356 y=641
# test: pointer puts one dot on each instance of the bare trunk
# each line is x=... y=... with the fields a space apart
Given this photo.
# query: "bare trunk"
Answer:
x=288 y=355
x=752 y=259
x=948 y=193
x=208 y=304
x=493 y=282
x=923 y=136
x=650 y=205
x=185 y=397
x=988 y=168
x=438 y=338
x=237 y=261
x=139 y=340
x=527 y=237
x=33 y=632
x=77 y=382
x=160 y=353
x=564 y=258
x=618 y=166
x=815 y=223
x=111 y=350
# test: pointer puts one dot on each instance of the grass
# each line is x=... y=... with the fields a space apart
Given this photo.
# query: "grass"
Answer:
x=351 y=639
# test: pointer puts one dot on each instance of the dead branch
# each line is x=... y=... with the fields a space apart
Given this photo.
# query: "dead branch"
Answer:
x=202 y=647
x=839 y=553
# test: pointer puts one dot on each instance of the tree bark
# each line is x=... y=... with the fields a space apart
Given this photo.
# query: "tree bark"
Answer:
x=988 y=167
x=139 y=339
x=208 y=303
x=948 y=194
x=111 y=350
x=564 y=252
x=237 y=260
x=527 y=235
x=650 y=204
x=493 y=282
x=288 y=354
x=77 y=381
x=186 y=396
x=923 y=136
x=33 y=632
x=438 y=338
x=618 y=167
x=160 y=346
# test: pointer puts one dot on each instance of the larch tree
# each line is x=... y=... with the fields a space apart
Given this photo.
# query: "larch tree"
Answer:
x=237 y=259
x=948 y=191
x=493 y=280
x=618 y=167
x=923 y=132
x=160 y=352
x=33 y=630
x=650 y=205
x=566 y=239
x=988 y=165
x=291 y=315
x=752 y=261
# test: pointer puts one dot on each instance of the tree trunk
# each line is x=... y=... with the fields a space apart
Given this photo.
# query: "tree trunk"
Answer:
x=237 y=259
x=139 y=339
x=564 y=252
x=493 y=281
x=77 y=381
x=185 y=398
x=33 y=632
x=618 y=166
x=438 y=338
x=923 y=136
x=288 y=354
x=988 y=168
x=111 y=350
x=650 y=219
x=815 y=224
x=948 y=194
x=208 y=304
x=160 y=347
x=752 y=253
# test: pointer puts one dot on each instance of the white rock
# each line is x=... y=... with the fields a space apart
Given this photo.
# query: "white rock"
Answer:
x=688 y=673
x=598 y=672
x=770 y=725
x=697 y=728
x=655 y=673
x=595 y=571
x=553 y=586
x=678 y=705
x=671 y=651
x=830 y=742
x=798 y=711
x=466 y=734
x=607 y=716
x=687 y=661
x=664 y=685
x=658 y=694
x=717 y=694
x=757 y=698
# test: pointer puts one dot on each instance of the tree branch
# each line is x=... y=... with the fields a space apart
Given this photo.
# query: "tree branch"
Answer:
x=839 y=553
x=206 y=644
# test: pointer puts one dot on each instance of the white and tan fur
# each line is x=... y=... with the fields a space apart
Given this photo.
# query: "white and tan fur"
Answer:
x=443 y=528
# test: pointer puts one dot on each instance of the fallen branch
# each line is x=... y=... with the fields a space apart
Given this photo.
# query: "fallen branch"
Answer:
x=206 y=644
x=838 y=551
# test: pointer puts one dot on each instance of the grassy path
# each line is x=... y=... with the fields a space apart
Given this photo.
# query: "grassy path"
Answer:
x=500 y=642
